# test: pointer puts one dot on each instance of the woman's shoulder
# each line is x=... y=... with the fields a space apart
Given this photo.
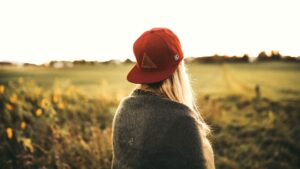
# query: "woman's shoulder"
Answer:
x=141 y=100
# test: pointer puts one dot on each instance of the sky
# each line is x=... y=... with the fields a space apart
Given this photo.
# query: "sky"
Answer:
x=38 y=31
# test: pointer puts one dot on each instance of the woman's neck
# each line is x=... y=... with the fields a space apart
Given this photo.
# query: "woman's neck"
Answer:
x=150 y=89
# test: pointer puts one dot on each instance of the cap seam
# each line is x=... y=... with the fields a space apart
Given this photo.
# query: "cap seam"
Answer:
x=164 y=42
x=143 y=44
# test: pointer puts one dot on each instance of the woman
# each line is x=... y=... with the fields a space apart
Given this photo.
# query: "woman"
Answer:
x=158 y=126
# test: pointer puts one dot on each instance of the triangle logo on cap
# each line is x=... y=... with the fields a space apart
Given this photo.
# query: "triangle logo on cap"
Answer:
x=147 y=62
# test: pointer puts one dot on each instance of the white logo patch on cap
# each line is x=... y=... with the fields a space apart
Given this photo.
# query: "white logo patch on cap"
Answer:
x=176 y=57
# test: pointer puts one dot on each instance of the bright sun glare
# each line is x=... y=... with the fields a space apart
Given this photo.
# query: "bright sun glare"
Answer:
x=38 y=31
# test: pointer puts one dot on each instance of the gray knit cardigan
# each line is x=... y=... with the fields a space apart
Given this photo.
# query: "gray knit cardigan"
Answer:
x=153 y=132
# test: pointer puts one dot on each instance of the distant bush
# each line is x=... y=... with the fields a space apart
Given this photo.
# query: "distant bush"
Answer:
x=275 y=56
x=220 y=59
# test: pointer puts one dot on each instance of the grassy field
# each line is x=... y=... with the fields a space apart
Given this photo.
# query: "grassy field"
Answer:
x=276 y=80
x=61 y=118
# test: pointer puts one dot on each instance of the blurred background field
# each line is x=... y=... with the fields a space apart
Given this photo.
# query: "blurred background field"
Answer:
x=276 y=79
x=61 y=118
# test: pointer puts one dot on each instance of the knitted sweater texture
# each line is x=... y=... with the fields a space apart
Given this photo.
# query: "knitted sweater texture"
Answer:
x=154 y=132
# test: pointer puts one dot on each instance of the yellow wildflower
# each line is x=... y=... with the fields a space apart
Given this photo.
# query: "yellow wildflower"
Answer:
x=13 y=98
x=27 y=144
x=55 y=98
x=9 y=133
x=23 y=125
x=2 y=88
x=44 y=102
x=38 y=112
x=61 y=105
x=9 y=106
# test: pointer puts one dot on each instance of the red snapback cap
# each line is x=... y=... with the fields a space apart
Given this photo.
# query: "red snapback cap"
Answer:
x=158 y=53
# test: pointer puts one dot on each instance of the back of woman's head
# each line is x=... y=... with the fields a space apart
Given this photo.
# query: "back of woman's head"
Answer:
x=178 y=88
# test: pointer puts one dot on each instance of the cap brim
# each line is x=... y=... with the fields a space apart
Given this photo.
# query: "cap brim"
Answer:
x=139 y=76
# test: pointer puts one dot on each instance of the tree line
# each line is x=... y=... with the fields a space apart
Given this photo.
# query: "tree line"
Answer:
x=261 y=57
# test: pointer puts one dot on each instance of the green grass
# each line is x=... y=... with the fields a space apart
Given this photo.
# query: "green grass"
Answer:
x=89 y=78
x=276 y=80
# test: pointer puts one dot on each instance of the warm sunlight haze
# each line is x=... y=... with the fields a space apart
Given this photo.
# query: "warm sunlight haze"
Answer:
x=37 y=31
x=73 y=96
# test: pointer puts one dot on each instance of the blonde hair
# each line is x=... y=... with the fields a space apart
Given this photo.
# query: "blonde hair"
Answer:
x=178 y=88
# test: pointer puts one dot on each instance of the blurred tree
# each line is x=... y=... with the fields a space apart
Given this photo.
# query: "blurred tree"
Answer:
x=245 y=58
x=262 y=56
x=128 y=61
x=275 y=55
